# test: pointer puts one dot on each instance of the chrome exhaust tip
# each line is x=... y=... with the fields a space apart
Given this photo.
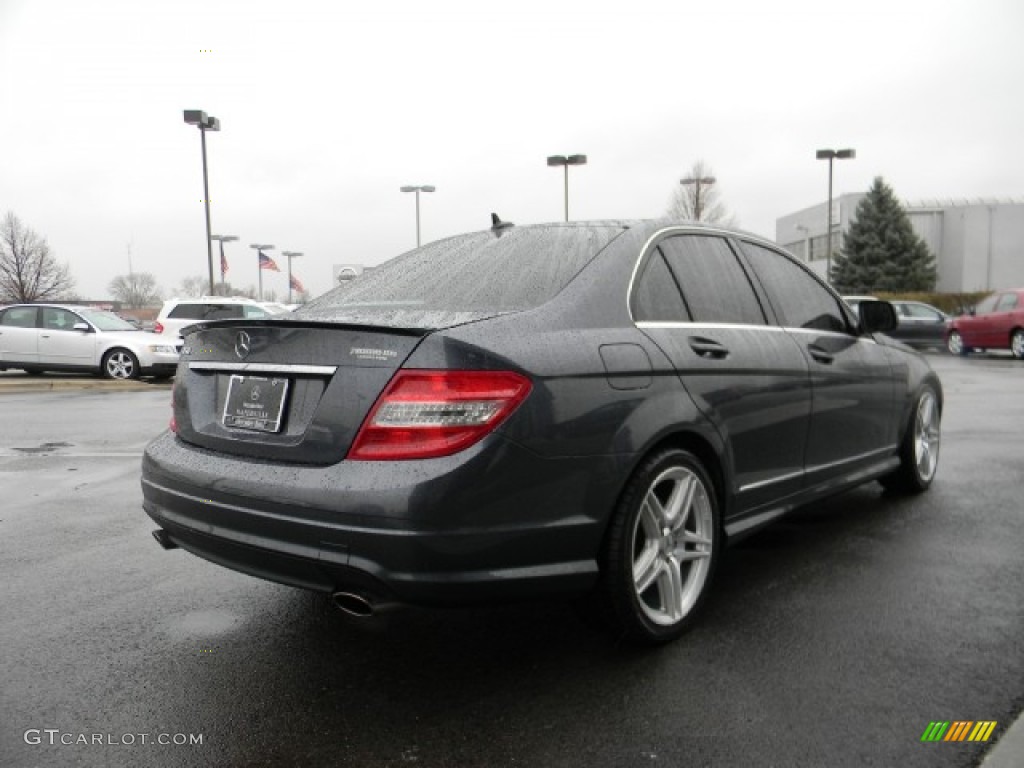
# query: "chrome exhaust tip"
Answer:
x=353 y=604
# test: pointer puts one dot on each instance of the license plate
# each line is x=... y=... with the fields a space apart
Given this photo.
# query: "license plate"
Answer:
x=255 y=402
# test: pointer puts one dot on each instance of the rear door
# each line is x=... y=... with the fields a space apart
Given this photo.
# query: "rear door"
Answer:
x=19 y=336
x=747 y=376
x=853 y=421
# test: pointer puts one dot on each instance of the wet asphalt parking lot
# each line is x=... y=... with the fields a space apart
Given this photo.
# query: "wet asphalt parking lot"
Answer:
x=834 y=637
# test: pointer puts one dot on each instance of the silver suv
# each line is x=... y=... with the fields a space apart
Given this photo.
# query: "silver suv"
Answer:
x=175 y=314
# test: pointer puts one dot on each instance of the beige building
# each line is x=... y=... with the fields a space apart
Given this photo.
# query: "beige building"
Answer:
x=978 y=244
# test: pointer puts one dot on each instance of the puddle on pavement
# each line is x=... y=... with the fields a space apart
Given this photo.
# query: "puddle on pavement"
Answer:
x=45 y=448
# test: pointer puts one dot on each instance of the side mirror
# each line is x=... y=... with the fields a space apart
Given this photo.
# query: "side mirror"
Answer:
x=81 y=327
x=877 y=316
x=972 y=311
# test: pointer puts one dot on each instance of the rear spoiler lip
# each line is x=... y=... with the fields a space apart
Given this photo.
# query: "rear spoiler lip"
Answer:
x=205 y=325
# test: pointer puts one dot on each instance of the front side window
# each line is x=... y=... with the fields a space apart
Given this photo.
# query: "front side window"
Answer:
x=1007 y=302
x=715 y=287
x=56 y=319
x=799 y=297
x=919 y=311
x=986 y=306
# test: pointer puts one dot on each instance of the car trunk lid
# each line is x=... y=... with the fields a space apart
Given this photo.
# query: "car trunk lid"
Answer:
x=284 y=390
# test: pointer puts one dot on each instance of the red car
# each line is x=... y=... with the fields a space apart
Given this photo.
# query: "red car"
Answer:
x=996 y=323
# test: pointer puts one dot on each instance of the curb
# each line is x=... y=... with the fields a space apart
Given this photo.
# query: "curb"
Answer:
x=20 y=386
x=1009 y=750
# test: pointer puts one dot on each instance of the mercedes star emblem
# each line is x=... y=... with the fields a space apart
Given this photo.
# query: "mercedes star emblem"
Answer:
x=243 y=345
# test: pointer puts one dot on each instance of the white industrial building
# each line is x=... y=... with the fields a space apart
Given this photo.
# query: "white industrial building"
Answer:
x=978 y=244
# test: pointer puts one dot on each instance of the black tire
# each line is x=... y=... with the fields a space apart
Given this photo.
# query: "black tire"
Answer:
x=33 y=371
x=955 y=344
x=1017 y=343
x=919 y=449
x=662 y=549
x=120 y=364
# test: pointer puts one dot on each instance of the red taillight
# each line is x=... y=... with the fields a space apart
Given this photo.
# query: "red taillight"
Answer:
x=427 y=414
x=158 y=327
x=174 y=419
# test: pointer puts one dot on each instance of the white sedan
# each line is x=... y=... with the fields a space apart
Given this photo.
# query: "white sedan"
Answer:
x=59 y=337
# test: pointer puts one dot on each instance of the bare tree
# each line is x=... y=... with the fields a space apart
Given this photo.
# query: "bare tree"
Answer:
x=135 y=290
x=28 y=270
x=697 y=199
x=193 y=287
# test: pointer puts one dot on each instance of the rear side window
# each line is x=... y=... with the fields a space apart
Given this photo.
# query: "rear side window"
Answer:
x=800 y=300
x=19 y=317
x=207 y=312
x=514 y=269
x=656 y=296
x=715 y=287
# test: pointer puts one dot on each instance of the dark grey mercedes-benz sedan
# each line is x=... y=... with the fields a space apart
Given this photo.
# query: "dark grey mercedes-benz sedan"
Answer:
x=584 y=409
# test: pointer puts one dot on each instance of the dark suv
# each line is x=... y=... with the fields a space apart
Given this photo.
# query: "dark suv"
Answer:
x=568 y=409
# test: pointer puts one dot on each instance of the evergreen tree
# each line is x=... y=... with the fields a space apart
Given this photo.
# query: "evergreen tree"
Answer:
x=881 y=252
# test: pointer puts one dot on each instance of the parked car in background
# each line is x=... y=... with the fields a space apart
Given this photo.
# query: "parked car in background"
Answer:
x=997 y=322
x=584 y=409
x=920 y=325
x=175 y=314
x=62 y=337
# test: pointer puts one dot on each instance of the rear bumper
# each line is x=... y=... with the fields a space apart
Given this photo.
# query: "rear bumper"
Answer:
x=435 y=532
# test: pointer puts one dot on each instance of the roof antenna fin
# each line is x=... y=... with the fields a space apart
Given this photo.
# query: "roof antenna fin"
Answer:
x=497 y=224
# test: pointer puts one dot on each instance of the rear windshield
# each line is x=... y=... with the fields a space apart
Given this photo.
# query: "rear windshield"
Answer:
x=466 y=278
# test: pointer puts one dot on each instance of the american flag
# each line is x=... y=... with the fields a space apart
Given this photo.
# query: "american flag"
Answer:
x=297 y=285
x=267 y=263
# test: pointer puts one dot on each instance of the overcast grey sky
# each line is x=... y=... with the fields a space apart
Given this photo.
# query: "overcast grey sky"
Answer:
x=327 y=110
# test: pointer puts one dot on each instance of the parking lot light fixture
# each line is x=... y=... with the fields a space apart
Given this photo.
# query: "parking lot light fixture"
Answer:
x=565 y=161
x=290 y=255
x=417 y=190
x=204 y=123
x=697 y=182
x=223 y=261
x=830 y=155
x=259 y=264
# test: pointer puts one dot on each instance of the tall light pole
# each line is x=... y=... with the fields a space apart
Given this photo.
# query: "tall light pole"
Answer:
x=697 y=182
x=223 y=262
x=830 y=155
x=290 y=255
x=565 y=161
x=417 y=190
x=259 y=263
x=205 y=123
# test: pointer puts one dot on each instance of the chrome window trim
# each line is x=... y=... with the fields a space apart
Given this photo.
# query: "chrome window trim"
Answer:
x=684 y=229
x=312 y=370
x=653 y=324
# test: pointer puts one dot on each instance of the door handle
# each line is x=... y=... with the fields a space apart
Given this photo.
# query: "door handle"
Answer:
x=45 y=335
x=708 y=348
x=820 y=354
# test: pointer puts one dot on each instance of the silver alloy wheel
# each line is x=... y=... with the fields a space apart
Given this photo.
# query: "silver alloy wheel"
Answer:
x=120 y=364
x=926 y=436
x=955 y=343
x=1017 y=344
x=672 y=546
